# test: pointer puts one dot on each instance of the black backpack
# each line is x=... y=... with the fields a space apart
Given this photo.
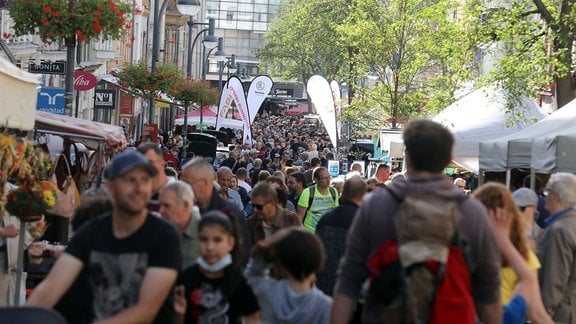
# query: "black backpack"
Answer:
x=312 y=190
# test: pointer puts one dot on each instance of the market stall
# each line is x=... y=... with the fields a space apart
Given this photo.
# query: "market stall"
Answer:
x=481 y=116
x=86 y=144
x=87 y=132
x=17 y=107
x=545 y=147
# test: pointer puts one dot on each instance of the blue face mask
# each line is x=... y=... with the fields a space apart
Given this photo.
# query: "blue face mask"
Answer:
x=218 y=266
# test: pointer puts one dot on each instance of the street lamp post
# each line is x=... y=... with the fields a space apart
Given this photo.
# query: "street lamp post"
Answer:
x=210 y=41
x=220 y=57
x=204 y=63
x=186 y=7
x=232 y=68
x=70 y=67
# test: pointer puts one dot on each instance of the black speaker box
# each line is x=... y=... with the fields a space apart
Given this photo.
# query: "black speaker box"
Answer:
x=202 y=144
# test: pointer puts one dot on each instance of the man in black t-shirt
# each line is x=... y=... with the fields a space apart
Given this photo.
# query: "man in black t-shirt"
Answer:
x=130 y=257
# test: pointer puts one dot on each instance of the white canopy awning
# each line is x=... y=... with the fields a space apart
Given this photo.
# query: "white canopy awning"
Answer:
x=481 y=116
x=547 y=146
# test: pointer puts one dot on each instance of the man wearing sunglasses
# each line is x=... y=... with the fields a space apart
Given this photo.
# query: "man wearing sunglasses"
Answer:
x=268 y=216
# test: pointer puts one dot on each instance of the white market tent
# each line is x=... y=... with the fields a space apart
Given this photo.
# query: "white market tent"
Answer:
x=18 y=94
x=546 y=147
x=211 y=121
x=481 y=116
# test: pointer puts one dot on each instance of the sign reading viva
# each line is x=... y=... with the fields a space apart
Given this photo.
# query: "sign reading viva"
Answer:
x=84 y=81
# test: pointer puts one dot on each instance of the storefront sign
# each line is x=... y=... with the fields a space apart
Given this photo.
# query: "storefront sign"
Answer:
x=126 y=103
x=105 y=99
x=84 y=81
x=48 y=68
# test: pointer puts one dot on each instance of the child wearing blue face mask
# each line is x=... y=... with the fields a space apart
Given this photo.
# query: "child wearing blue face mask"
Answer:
x=213 y=290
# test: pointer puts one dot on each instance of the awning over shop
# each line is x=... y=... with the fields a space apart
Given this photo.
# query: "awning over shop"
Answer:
x=81 y=130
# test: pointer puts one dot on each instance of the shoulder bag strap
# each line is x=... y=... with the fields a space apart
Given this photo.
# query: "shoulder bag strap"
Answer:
x=66 y=182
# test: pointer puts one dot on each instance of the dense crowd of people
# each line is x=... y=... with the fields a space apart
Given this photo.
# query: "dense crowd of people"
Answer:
x=268 y=235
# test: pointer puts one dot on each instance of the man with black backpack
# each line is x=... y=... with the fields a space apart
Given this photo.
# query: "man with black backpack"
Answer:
x=427 y=250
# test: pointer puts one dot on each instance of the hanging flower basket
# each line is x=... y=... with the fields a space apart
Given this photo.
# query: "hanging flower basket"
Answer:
x=27 y=167
x=194 y=91
x=54 y=20
x=30 y=200
x=138 y=78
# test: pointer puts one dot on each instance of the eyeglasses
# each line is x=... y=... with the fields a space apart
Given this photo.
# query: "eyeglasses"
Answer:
x=260 y=207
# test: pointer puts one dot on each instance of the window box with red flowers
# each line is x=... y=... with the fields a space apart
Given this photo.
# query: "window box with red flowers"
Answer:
x=54 y=20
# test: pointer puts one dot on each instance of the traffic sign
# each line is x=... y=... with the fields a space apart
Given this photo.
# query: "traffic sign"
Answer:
x=48 y=68
x=51 y=100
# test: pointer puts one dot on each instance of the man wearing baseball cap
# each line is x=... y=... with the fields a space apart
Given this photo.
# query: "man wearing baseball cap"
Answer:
x=130 y=256
x=527 y=201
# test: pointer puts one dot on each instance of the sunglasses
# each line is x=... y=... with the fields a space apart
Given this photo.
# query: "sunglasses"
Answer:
x=260 y=207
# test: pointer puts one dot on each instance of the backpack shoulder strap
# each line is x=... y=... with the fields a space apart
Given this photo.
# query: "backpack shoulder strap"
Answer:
x=311 y=192
x=333 y=193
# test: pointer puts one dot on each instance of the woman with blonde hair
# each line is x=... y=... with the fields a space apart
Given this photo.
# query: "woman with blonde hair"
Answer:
x=497 y=198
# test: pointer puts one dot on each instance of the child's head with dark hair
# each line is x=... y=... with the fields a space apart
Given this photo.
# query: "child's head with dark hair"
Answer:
x=89 y=208
x=300 y=253
x=226 y=225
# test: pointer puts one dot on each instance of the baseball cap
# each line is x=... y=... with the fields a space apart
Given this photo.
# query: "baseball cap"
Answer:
x=277 y=155
x=525 y=197
x=127 y=161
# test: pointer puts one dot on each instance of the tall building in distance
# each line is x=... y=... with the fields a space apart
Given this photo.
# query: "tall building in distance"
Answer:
x=242 y=24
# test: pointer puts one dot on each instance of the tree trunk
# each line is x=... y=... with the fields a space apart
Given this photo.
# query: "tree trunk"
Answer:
x=564 y=90
x=564 y=39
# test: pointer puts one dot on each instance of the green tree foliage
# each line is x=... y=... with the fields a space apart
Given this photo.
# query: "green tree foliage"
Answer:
x=303 y=41
x=534 y=42
x=402 y=58
x=416 y=53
